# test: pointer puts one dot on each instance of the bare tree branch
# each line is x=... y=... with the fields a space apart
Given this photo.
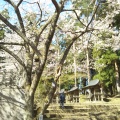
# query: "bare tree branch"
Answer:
x=94 y=12
x=56 y=5
x=30 y=2
x=11 y=43
x=68 y=48
x=18 y=14
x=39 y=20
x=43 y=28
x=19 y=3
x=79 y=18
x=74 y=9
x=68 y=31
x=14 y=55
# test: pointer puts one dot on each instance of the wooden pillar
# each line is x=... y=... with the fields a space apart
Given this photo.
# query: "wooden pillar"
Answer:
x=101 y=89
x=94 y=95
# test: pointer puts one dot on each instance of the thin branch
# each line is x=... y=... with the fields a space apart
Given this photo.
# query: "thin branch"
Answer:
x=18 y=14
x=68 y=31
x=94 y=12
x=76 y=9
x=44 y=26
x=47 y=23
x=14 y=55
x=79 y=18
x=19 y=3
x=39 y=8
x=30 y=2
x=20 y=20
x=68 y=48
x=40 y=12
x=11 y=43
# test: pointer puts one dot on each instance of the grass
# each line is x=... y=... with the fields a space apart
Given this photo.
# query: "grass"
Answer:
x=108 y=100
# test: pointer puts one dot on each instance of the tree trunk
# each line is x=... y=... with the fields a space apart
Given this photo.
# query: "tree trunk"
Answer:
x=48 y=99
x=117 y=78
x=88 y=65
x=74 y=63
x=29 y=108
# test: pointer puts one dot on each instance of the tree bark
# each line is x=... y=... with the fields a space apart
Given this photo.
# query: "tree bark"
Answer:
x=74 y=57
x=88 y=65
x=29 y=108
x=117 y=78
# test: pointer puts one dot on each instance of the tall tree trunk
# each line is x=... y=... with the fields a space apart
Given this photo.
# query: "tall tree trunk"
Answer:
x=88 y=65
x=58 y=58
x=74 y=57
x=117 y=78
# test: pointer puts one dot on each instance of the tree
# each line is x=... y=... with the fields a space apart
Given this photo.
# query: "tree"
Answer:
x=36 y=30
x=108 y=36
x=104 y=64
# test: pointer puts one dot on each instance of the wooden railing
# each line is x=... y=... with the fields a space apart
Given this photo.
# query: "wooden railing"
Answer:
x=97 y=96
x=75 y=99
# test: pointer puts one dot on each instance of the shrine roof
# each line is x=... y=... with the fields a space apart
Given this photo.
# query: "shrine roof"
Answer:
x=91 y=84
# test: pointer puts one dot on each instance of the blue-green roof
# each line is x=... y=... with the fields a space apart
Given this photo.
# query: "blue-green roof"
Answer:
x=92 y=83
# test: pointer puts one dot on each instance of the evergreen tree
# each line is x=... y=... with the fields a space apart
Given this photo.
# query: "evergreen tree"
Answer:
x=104 y=64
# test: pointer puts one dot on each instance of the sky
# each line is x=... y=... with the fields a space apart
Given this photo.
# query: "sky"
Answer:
x=25 y=7
x=44 y=3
